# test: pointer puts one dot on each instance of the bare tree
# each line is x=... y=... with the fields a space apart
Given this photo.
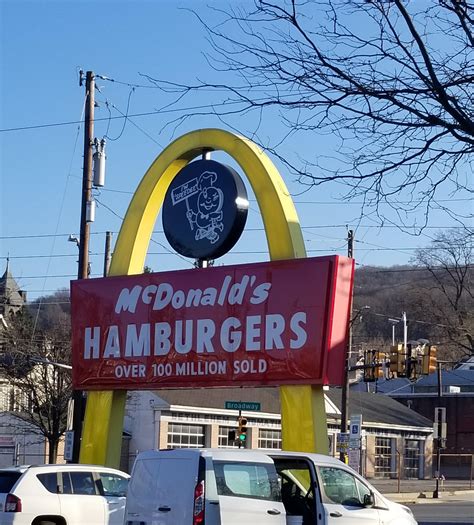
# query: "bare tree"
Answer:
x=449 y=300
x=40 y=391
x=391 y=80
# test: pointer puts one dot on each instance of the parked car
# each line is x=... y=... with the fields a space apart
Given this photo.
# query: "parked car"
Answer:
x=231 y=487
x=62 y=495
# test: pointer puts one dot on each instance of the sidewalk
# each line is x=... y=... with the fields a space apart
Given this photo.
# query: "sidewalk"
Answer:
x=421 y=490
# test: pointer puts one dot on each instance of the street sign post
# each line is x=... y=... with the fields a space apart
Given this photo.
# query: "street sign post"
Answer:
x=355 y=429
x=68 y=444
x=355 y=432
x=342 y=443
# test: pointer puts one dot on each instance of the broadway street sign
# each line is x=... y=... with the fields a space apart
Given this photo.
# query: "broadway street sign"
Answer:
x=242 y=405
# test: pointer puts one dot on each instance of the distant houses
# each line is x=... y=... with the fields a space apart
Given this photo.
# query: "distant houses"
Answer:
x=19 y=440
x=457 y=397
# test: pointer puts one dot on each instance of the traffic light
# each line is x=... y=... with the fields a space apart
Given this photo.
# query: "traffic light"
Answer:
x=374 y=365
x=397 y=361
x=410 y=362
x=429 y=360
x=369 y=363
x=369 y=375
x=242 y=431
x=380 y=359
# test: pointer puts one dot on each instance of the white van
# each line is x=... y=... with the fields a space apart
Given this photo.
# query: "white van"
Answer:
x=231 y=487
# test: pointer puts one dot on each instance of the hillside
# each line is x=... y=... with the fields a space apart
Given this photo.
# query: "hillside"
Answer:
x=433 y=308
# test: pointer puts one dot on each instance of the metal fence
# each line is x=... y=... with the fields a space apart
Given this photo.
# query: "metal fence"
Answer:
x=402 y=470
x=457 y=466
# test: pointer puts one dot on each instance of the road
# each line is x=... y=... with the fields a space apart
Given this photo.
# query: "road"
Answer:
x=453 y=512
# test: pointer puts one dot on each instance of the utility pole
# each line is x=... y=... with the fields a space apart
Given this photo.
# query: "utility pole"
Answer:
x=86 y=177
x=345 y=384
x=83 y=269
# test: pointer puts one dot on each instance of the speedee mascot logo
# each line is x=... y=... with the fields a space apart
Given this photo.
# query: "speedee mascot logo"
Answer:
x=208 y=215
x=205 y=210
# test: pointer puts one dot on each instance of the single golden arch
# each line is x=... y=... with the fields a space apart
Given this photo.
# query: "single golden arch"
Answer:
x=304 y=426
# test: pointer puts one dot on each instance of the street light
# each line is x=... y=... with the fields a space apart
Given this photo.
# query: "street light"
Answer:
x=393 y=322
x=44 y=361
x=73 y=238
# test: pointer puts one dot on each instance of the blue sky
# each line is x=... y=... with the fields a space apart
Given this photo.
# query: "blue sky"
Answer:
x=43 y=44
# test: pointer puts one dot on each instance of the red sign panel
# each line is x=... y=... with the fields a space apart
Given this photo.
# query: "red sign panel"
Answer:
x=281 y=322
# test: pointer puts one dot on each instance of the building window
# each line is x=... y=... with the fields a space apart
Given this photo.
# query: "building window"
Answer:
x=412 y=458
x=4 y=398
x=269 y=438
x=185 y=436
x=383 y=457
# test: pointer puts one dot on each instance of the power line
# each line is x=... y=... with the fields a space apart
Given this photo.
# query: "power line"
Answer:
x=309 y=227
x=101 y=119
x=41 y=236
x=373 y=269
x=240 y=252
x=410 y=320
x=338 y=203
x=370 y=269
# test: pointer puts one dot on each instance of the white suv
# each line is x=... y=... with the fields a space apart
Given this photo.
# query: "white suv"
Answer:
x=62 y=494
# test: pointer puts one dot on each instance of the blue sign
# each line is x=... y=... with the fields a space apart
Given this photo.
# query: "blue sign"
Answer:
x=205 y=210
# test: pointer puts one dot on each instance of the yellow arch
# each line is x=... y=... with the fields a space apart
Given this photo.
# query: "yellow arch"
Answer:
x=303 y=412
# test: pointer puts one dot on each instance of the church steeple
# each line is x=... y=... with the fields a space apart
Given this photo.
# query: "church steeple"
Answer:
x=11 y=297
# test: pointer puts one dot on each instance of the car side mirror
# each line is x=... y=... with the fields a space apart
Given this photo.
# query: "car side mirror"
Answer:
x=369 y=500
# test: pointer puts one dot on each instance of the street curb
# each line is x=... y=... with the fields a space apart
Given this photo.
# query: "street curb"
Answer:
x=425 y=497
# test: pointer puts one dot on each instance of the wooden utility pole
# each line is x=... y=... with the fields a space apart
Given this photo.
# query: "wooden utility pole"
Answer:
x=83 y=269
x=83 y=272
x=345 y=384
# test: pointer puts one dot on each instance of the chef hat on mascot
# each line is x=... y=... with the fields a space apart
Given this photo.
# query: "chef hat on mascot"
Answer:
x=207 y=179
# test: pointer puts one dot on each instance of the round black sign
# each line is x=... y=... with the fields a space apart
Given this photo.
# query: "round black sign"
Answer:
x=205 y=210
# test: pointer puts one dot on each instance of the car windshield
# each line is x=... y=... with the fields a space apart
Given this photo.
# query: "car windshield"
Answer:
x=7 y=480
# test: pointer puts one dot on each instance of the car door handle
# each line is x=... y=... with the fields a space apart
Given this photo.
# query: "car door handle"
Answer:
x=335 y=514
x=273 y=512
x=164 y=509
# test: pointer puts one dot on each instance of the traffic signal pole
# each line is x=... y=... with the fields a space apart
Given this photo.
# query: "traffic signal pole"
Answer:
x=238 y=434
x=83 y=269
x=438 y=439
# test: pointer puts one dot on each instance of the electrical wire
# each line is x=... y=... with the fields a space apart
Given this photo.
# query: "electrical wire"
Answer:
x=338 y=203
x=108 y=103
x=132 y=90
x=102 y=119
x=240 y=252
x=169 y=251
x=304 y=227
x=61 y=207
x=375 y=269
